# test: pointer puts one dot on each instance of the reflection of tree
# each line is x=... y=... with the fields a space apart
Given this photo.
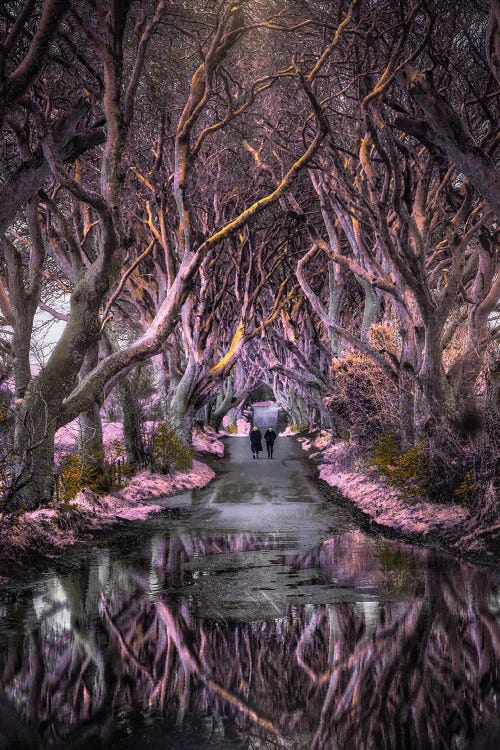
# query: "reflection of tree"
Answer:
x=424 y=675
x=354 y=560
x=427 y=677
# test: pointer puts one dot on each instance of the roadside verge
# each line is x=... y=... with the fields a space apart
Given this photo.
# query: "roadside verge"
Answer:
x=46 y=532
x=448 y=526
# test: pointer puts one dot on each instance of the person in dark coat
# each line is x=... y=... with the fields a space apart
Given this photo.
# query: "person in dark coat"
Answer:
x=269 y=437
x=255 y=441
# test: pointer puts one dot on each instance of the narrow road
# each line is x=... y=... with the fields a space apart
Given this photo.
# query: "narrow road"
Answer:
x=265 y=509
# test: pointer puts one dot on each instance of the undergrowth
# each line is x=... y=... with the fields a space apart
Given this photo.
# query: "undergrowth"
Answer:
x=74 y=475
x=407 y=470
x=167 y=451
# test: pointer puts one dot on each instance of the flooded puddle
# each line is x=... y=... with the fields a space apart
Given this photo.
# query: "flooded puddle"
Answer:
x=254 y=616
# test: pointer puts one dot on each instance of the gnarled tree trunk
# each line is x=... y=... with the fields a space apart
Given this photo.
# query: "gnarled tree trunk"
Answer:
x=224 y=403
x=181 y=409
x=90 y=437
x=132 y=420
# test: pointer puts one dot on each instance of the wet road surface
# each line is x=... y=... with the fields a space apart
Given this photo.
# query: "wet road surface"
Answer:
x=253 y=614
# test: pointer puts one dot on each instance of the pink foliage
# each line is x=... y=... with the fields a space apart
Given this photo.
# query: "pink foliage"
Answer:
x=242 y=424
x=66 y=439
x=372 y=494
x=127 y=504
x=207 y=441
x=288 y=431
x=47 y=529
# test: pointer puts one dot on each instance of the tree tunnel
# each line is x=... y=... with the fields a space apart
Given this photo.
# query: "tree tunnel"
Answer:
x=251 y=203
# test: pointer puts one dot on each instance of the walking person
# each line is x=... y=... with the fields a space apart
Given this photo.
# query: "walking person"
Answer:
x=255 y=441
x=269 y=437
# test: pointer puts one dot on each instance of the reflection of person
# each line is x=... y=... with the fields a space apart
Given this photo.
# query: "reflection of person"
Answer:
x=255 y=441
x=269 y=437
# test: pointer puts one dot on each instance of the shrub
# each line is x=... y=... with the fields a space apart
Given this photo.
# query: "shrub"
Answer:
x=74 y=476
x=232 y=429
x=452 y=466
x=117 y=449
x=167 y=451
x=363 y=400
x=385 y=339
x=467 y=488
x=407 y=469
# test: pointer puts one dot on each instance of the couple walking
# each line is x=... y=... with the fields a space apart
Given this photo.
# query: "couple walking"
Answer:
x=256 y=441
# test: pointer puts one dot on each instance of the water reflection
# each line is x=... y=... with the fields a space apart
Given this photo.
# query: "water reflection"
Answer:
x=402 y=651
